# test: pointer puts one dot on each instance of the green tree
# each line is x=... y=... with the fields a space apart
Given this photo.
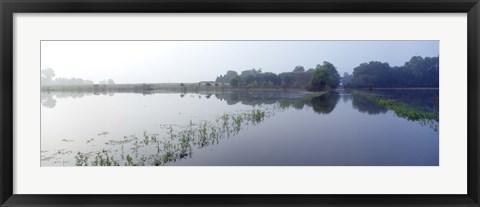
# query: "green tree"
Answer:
x=325 y=77
x=417 y=72
x=234 y=82
x=299 y=69
x=346 y=79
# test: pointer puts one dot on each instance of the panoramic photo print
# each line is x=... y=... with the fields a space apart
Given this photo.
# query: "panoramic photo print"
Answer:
x=239 y=103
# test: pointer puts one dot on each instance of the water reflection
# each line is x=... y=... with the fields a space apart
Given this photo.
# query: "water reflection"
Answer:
x=250 y=98
x=48 y=100
x=174 y=142
x=423 y=99
x=179 y=141
x=321 y=105
x=324 y=104
x=177 y=145
x=364 y=105
x=254 y=98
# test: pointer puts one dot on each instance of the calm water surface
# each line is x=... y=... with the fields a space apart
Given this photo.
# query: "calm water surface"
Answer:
x=235 y=129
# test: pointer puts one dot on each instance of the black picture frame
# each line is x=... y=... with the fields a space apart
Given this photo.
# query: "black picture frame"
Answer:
x=9 y=7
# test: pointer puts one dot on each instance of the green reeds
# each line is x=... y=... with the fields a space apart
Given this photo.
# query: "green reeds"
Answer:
x=400 y=109
x=81 y=159
x=178 y=143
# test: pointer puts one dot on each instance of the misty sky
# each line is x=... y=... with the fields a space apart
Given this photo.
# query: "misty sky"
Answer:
x=193 y=61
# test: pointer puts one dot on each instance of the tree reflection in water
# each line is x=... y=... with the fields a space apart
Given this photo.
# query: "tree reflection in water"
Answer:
x=180 y=141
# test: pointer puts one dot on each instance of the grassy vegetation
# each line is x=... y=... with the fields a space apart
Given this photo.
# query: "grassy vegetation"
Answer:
x=306 y=99
x=178 y=141
x=400 y=109
x=176 y=144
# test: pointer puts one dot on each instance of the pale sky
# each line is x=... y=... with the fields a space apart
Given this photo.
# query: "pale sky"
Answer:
x=193 y=61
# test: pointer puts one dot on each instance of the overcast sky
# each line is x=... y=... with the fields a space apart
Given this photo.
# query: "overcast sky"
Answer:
x=193 y=61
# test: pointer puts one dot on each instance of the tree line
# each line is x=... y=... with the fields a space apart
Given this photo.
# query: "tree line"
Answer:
x=417 y=72
x=47 y=77
x=324 y=76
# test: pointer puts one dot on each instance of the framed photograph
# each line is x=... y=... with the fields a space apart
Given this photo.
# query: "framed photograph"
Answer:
x=239 y=103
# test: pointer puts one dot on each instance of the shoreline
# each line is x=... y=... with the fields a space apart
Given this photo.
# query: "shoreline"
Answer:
x=182 y=88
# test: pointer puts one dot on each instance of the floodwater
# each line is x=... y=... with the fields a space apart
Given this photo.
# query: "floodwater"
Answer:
x=274 y=128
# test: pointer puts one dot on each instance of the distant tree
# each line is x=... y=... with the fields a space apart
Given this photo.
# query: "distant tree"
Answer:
x=372 y=74
x=47 y=76
x=110 y=82
x=299 y=69
x=417 y=72
x=346 y=79
x=88 y=82
x=183 y=88
x=269 y=77
x=324 y=77
x=287 y=79
x=255 y=78
x=234 y=82
x=251 y=72
x=227 y=77
x=208 y=84
x=425 y=71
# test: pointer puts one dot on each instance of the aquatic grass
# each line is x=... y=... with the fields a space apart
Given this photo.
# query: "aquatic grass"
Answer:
x=284 y=104
x=102 y=133
x=118 y=142
x=225 y=117
x=179 y=141
x=130 y=161
x=103 y=159
x=62 y=152
x=406 y=112
x=400 y=109
x=170 y=132
x=153 y=138
x=257 y=116
x=145 y=138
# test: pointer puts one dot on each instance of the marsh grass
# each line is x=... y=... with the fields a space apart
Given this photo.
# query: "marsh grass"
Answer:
x=179 y=141
x=400 y=109
x=82 y=159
